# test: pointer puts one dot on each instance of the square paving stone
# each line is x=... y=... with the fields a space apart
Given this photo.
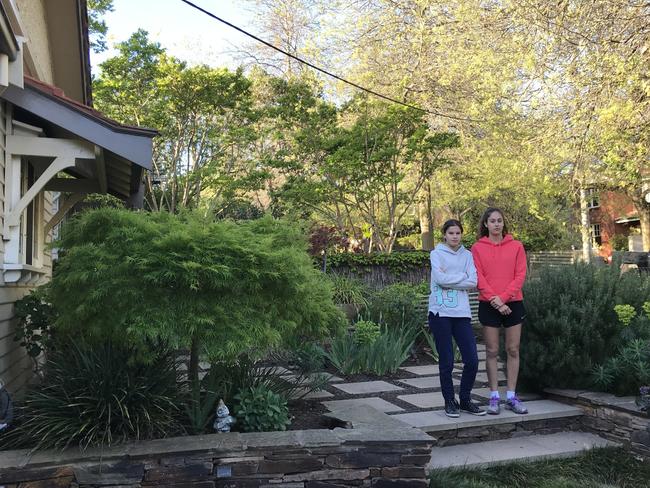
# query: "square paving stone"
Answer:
x=429 y=369
x=426 y=382
x=365 y=387
x=424 y=400
x=376 y=403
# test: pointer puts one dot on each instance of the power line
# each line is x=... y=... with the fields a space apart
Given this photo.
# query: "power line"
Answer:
x=313 y=66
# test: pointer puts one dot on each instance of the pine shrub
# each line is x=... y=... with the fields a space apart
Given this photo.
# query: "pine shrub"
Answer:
x=571 y=325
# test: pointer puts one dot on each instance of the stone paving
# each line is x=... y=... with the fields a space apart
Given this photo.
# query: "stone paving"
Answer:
x=530 y=448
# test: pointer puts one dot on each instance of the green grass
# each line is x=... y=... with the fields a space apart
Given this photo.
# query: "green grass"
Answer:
x=599 y=468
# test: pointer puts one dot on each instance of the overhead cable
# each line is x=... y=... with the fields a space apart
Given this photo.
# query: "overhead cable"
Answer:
x=313 y=66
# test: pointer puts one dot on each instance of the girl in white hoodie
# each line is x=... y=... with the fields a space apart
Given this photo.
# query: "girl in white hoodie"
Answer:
x=452 y=275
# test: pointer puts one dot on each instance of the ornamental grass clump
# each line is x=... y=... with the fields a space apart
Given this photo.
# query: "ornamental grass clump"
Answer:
x=99 y=395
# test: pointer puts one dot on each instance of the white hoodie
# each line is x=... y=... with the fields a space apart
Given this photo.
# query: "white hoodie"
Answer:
x=452 y=275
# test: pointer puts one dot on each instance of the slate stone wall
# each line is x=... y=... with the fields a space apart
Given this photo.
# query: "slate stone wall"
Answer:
x=389 y=454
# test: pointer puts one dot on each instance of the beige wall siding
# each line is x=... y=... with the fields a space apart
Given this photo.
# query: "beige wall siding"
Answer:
x=15 y=365
x=32 y=14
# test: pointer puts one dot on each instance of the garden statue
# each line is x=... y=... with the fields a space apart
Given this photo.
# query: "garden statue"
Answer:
x=223 y=420
x=6 y=407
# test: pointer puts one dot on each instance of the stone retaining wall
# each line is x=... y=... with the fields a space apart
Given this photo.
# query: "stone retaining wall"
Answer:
x=493 y=432
x=614 y=418
x=388 y=454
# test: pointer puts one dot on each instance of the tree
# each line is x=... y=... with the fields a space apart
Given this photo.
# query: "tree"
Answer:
x=218 y=289
x=374 y=166
x=204 y=116
x=97 y=27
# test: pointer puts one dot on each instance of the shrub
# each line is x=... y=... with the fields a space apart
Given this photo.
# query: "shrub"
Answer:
x=571 y=325
x=36 y=316
x=629 y=369
x=398 y=305
x=625 y=313
x=216 y=288
x=366 y=332
x=98 y=396
x=261 y=410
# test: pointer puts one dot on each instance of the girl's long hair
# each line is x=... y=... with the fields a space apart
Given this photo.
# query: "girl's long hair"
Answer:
x=482 y=224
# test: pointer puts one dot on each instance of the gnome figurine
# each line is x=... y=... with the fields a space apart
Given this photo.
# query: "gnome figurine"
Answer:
x=223 y=420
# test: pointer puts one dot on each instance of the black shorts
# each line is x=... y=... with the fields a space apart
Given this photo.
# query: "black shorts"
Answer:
x=491 y=317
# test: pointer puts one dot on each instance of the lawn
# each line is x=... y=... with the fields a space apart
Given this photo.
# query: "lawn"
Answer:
x=599 y=468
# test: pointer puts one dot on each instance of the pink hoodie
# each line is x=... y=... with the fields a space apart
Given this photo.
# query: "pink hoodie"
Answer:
x=501 y=268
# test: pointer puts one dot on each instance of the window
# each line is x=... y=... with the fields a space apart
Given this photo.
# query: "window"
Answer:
x=595 y=235
x=31 y=221
x=593 y=198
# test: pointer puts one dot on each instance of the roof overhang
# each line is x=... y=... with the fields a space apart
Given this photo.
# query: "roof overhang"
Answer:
x=8 y=41
x=126 y=150
x=627 y=220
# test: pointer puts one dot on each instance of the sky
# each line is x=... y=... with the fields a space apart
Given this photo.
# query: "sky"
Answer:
x=185 y=32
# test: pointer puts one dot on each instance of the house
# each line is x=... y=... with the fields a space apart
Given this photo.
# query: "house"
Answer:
x=54 y=149
x=614 y=222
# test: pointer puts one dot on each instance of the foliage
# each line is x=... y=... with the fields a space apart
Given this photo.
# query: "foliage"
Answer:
x=395 y=261
x=366 y=332
x=398 y=305
x=36 y=317
x=261 y=410
x=216 y=288
x=618 y=242
x=226 y=378
x=204 y=155
x=625 y=314
x=383 y=356
x=97 y=27
x=570 y=324
x=99 y=395
x=626 y=371
x=606 y=467
x=349 y=290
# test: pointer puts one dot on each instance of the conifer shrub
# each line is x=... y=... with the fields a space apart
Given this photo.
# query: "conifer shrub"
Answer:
x=219 y=289
x=571 y=324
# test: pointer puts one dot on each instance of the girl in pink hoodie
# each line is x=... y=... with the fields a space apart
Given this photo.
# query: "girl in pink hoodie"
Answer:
x=501 y=269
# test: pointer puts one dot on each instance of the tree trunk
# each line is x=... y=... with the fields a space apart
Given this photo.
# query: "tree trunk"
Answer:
x=426 y=219
x=193 y=367
x=585 y=226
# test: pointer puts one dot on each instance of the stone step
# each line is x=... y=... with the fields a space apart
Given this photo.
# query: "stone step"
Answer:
x=436 y=420
x=529 y=448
